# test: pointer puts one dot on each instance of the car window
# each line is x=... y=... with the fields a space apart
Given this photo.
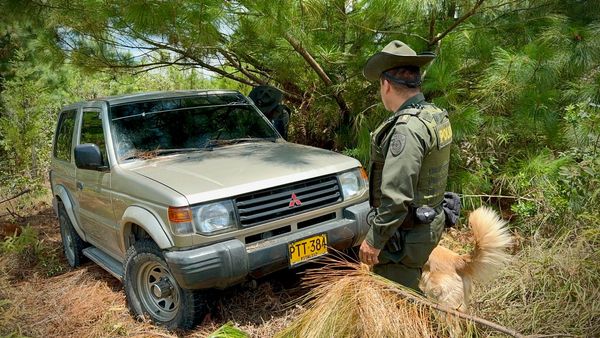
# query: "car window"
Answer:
x=92 y=132
x=64 y=135
x=182 y=127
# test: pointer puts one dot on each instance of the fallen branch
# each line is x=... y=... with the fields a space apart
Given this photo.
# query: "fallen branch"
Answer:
x=470 y=13
x=17 y=195
x=14 y=214
x=371 y=305
x=475 y=319
x=500 y=196
x=472 y=318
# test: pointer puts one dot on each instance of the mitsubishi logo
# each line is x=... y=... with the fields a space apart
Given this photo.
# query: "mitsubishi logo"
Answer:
x=295 y=201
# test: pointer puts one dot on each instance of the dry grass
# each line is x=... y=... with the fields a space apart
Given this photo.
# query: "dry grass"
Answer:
x=551 y=287
x=89 y=302
x=347 y=300
x=75 y=304
x=259 y=311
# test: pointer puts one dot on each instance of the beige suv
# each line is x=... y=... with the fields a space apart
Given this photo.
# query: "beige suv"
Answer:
x=178 y=192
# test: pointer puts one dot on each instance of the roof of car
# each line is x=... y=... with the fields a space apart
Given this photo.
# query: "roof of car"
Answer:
x=119 y=99
x=112 y=100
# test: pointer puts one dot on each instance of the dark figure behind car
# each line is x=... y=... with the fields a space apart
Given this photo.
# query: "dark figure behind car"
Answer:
x=268 y=100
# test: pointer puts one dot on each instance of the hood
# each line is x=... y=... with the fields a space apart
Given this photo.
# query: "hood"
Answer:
x=237 y=169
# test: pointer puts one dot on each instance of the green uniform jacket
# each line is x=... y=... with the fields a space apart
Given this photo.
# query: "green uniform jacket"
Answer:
x=409 y=166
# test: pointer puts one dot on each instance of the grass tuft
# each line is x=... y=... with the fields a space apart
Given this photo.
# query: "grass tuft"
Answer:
x=551 y=287
x=348 y=300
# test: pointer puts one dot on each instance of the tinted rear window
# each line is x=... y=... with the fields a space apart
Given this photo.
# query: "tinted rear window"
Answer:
x=64 y=135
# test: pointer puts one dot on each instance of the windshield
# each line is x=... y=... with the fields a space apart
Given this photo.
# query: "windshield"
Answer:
x=153 y=128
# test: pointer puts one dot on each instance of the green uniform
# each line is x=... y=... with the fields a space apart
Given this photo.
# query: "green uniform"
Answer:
x=280 y=118
x=410 y=152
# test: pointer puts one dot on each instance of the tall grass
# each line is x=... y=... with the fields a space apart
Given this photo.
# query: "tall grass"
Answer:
x=551 y=287
x=347 y=300
x=350 y=302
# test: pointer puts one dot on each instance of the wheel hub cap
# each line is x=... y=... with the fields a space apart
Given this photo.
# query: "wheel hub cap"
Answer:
x=162 y=288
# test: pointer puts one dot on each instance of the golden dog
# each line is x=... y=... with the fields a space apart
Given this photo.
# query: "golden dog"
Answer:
x=447 y=276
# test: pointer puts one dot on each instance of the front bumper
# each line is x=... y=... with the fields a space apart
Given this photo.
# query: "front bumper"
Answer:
x=227 y=263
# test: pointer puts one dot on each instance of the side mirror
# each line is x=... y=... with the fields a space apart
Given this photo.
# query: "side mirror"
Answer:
x=88 y=156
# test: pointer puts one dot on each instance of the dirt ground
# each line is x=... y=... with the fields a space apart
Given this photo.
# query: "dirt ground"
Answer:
x=41 y=296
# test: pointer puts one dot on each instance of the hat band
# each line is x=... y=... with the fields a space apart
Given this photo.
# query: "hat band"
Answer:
x=410 y=84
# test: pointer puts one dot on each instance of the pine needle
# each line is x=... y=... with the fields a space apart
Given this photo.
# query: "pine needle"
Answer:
x=348 y=300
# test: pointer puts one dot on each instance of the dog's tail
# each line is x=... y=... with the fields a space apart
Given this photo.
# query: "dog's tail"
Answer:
x=491 y=241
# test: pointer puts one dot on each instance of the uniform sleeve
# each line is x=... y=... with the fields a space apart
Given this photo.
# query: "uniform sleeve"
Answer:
x=406 y=148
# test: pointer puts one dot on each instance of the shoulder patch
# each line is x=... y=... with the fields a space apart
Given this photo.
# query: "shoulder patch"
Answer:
x=397 y=144
x=403 y=119
x=444 y=134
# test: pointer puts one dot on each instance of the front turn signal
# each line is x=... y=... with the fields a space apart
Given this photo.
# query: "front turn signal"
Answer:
x=180 y=215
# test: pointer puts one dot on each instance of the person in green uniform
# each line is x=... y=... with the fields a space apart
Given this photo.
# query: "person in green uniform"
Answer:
x=268 y=100
x=410 y=152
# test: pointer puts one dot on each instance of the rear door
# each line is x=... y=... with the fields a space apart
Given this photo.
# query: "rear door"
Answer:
x=94 y=188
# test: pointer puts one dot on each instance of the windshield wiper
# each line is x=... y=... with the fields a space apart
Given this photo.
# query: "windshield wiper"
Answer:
x=158 y=152
x=217 y=142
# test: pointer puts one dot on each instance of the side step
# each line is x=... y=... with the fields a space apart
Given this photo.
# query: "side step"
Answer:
x=105 y=261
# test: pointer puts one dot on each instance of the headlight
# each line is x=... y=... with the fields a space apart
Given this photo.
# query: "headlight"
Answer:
x=353 y=182
x=213 y=217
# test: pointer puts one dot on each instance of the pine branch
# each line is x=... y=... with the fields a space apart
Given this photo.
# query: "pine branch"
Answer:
x=460 y=20
x=253 y=61
x=238 y=65
x=432 y=26
x=199 y=62
x=387 y=31
x=308 y=58
x=345 y=110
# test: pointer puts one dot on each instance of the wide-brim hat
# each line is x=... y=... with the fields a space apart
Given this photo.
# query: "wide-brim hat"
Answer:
x=395 y=54
x=266 y=98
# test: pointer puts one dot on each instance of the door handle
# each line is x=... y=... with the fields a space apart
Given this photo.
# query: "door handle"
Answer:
x=79 y=185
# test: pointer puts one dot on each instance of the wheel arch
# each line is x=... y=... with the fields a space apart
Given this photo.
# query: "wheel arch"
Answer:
x=137 y=222
x=62 y=195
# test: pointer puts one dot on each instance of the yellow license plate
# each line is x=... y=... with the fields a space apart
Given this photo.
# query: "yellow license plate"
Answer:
x=308 y=248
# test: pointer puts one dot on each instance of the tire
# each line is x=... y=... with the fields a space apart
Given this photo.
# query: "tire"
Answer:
x=147 y=276
x=73 y=245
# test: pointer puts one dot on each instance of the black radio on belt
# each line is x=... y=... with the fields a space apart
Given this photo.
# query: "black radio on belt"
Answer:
x=425 y=214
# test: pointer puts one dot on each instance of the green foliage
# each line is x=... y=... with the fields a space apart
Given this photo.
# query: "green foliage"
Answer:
x=35 y=92
x=364 y=123
x=28 y=251
x=26 y=127
x=24 y=243
x=228 y=330
x=511 y=101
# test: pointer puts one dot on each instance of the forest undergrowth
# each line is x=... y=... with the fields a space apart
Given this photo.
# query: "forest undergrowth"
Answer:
x=549 y=287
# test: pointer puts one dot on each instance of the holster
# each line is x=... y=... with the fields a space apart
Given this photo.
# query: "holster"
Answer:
x=394 y=244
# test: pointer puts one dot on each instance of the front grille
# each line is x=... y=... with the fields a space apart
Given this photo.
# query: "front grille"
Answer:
x=271 y=204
